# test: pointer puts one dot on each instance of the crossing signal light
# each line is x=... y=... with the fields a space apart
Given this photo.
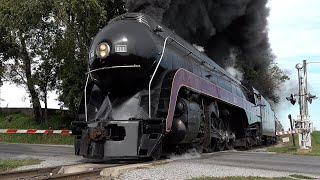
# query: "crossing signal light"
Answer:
x=310 y=97
x=292 y=99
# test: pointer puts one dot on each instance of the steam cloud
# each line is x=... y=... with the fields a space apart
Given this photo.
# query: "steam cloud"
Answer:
x=216 y=25
x=190 y=154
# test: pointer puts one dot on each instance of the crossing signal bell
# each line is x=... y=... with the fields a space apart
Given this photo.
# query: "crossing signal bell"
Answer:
x=292 y=99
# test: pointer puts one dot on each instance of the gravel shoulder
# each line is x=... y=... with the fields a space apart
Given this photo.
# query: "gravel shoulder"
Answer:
x=187 y=170
x=195 y=165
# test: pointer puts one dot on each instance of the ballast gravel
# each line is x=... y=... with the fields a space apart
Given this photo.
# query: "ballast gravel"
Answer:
x=187 y=170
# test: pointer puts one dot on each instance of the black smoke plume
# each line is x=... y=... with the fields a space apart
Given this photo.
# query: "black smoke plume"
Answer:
x=222 y=27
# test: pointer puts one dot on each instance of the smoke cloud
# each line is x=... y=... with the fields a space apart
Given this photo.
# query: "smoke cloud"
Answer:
x=216 y=25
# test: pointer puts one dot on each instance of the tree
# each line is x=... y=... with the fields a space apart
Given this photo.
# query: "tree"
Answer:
x=46 y=78
x=81 y=20
x=272 y=78
x=23 y=26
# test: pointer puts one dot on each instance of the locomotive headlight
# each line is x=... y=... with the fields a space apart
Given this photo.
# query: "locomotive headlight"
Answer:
x=103 y=50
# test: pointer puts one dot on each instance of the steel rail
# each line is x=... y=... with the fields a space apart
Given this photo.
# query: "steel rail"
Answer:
x=51 y=173
x=88 y=174
x=28 y=173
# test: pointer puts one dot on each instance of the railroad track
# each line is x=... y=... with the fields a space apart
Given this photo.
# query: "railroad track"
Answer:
x=80 y=171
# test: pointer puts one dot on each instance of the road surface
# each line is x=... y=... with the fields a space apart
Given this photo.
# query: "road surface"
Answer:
x=265 y=161
x=257 y=160
x=37 y=149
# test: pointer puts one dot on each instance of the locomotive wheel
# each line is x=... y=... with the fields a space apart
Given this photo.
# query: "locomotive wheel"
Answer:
x=220 y=143
x=156 y=154
x=248 y=144
x=230 y=145
x=213 y=145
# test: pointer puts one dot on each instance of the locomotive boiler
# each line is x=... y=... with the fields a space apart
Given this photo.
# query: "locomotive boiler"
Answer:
x=148 y=93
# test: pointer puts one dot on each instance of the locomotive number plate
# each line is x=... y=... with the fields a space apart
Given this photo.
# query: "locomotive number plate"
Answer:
x=121 y=48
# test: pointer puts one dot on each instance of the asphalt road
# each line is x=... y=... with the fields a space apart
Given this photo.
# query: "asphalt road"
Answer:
x=265 y=161
x=36 y=149
x=257 y=160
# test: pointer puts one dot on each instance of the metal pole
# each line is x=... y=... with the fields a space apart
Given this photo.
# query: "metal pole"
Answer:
x=299 y=93
x=306 y=120
x=301 y=102
x=306 y=113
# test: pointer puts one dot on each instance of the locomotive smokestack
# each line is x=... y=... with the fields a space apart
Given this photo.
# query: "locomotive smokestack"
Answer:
x=217 y=25
x=154 y=8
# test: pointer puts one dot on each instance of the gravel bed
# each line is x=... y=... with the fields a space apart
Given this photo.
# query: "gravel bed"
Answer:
x=185 y=170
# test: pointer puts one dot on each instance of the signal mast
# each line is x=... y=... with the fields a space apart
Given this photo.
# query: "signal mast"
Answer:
x=303 y=123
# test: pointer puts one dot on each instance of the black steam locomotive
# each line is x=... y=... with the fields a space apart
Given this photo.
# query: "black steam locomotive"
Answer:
x=149 y=92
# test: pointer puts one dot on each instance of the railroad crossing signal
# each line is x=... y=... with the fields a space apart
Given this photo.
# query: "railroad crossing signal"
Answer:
x=310 y=97
x=292 y=99
x=303 y=123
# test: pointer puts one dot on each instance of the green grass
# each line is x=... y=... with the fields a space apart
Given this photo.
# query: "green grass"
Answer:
x=242 y=178
x=6 y=165
x=21 y=121
x=286 y=148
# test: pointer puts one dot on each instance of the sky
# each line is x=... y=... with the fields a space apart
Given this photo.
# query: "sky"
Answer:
x=294 y=35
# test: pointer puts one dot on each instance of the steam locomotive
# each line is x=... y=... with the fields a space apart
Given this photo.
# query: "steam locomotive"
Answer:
x=149 y=93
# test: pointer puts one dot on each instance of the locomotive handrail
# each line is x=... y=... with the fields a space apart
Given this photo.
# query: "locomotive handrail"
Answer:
x=154 y=73
x=85 y=98
x=113 y=67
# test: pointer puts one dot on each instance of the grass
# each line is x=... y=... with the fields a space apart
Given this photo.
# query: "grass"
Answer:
x=288 y=147
x=6 y=165
x=242 y=178
x=21 y=121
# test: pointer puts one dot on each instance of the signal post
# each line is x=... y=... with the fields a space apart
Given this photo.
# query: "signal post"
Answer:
x=303 y=123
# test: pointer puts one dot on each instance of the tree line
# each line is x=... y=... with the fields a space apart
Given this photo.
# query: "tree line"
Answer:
x=44 y=45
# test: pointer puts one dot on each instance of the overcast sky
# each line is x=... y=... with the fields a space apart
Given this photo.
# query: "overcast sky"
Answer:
x=294 y=33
